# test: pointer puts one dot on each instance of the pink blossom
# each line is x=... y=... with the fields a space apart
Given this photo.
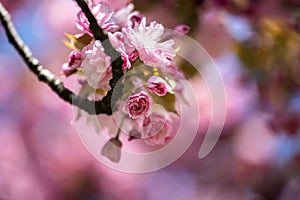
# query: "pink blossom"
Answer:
x=137 y=105
x=147 y=41
x=75 y=59
x=96 y=66
x=158 y=86
x=103 y=15
x=157 y=130
x=122 y=17
x=82 y=23
x=116 y=40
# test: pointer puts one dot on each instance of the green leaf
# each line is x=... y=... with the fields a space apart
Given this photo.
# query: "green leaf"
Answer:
x=188 y=69
x=84 y=92
x=167 y=101
x=78 y=42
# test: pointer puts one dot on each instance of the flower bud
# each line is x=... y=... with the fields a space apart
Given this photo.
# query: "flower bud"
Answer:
x=136 y=20
x=133 y=56
x=158 y=85
x=182 y=29
x=112 y=150
x=75 y=59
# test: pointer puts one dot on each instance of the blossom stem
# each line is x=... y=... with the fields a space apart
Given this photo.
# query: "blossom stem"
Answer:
x=119 y=129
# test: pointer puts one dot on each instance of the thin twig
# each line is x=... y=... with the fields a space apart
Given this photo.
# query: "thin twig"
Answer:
x=92 y=107
x=115 y=56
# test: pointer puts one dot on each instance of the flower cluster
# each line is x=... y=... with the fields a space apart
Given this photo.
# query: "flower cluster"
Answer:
x=151 y=75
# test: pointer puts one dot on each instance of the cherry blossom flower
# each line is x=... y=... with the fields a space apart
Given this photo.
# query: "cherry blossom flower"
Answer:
x=158 y=86
x=103 y=15
x=157 y=130
x=96 y=66
x=116 y=40
x=122 y=17
x=138 y=105
x=147 y=41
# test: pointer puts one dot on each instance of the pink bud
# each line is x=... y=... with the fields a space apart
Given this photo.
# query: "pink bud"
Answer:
x=146 y=121
x=136 y=20
x=126 y=63
x=67 y=71
x=75 y=59
x=133 y=56
x=112 y=150
x=182 y=29
x=157 y=85
x=138 y=104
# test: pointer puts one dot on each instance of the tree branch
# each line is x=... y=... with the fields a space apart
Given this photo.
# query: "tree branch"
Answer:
x=92 y=107
x=115 y=56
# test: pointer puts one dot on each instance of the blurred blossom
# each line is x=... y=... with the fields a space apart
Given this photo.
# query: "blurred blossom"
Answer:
x=287 y=148
x=254 y=142
x=291 y=190
x=158 y=130
x=173 y=184
x=238 y=27
x=18 y=179
x=241 y=98
x=59 y=22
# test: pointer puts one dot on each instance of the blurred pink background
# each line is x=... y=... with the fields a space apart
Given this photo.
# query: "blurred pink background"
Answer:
x=41 y=155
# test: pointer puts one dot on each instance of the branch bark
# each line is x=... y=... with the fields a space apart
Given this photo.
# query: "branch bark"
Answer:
x=92 y=107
